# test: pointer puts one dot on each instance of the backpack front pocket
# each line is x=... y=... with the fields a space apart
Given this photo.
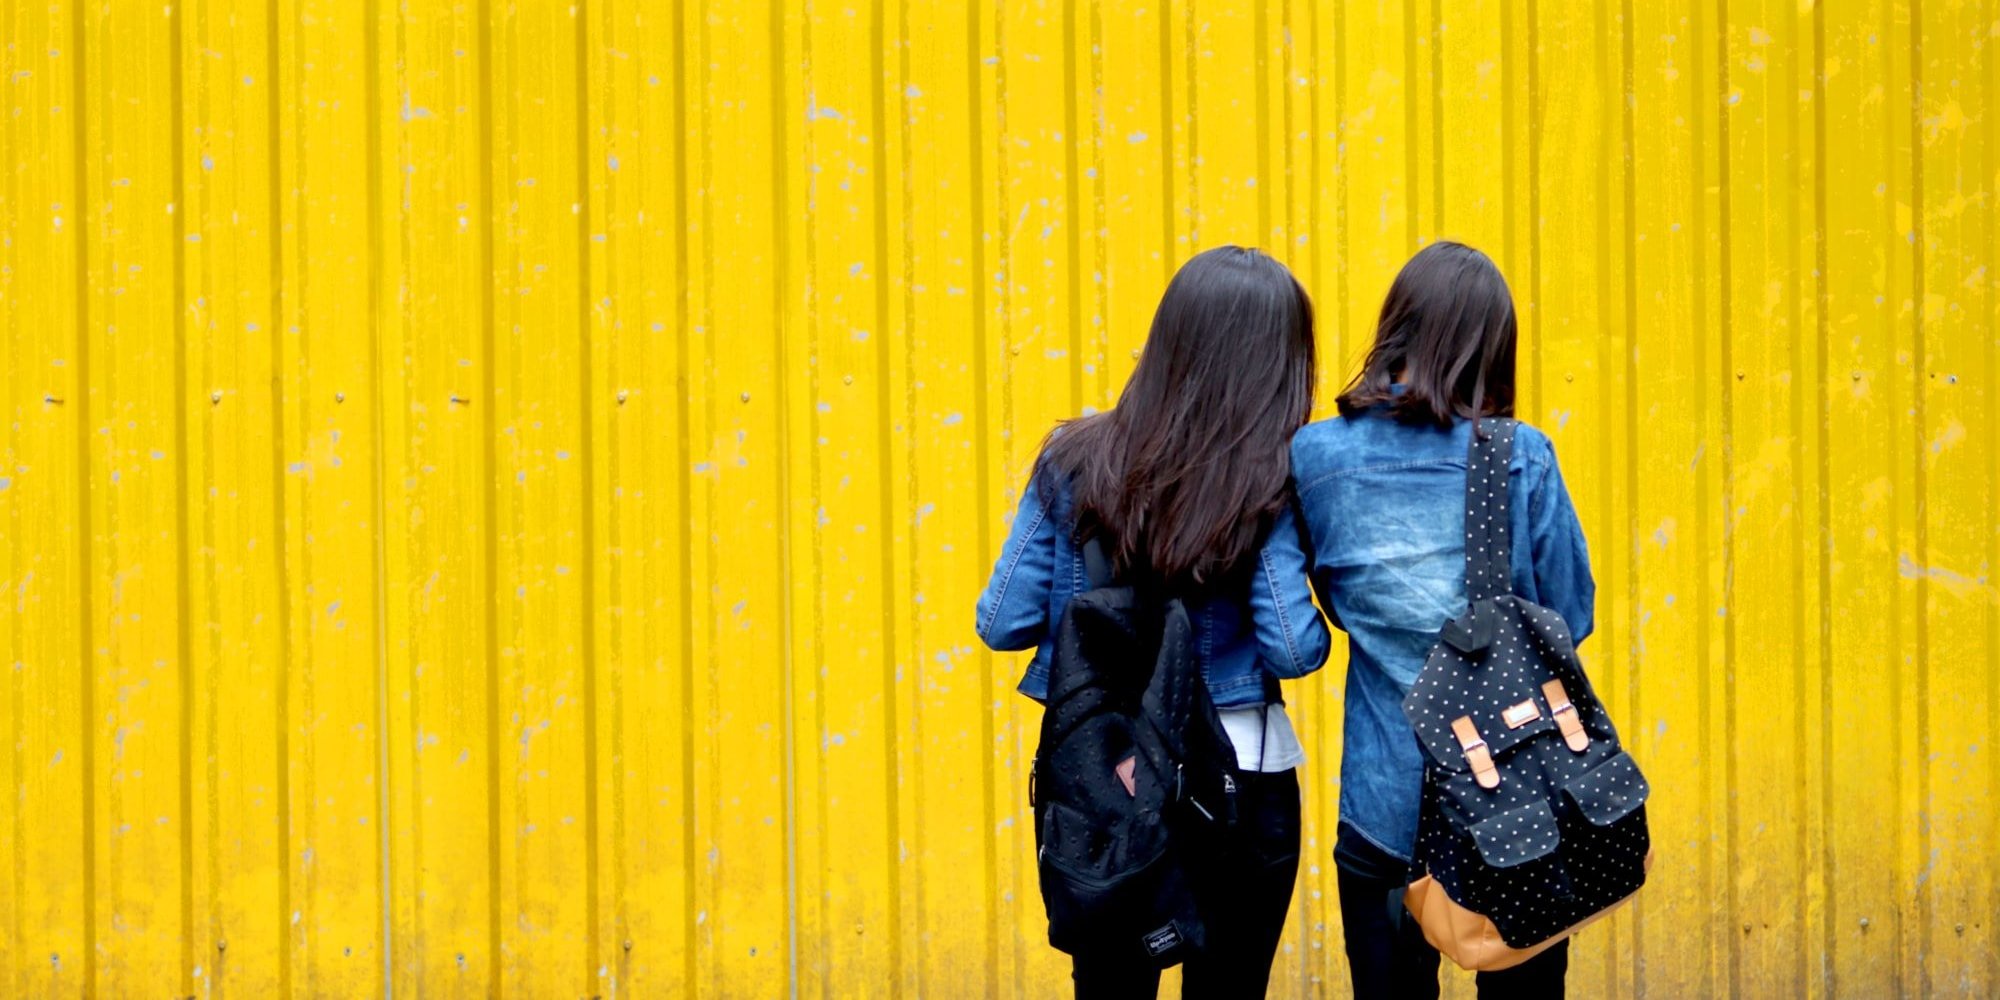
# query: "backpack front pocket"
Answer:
x=1610 y=791
x=1103 y=893
x=1518 y=835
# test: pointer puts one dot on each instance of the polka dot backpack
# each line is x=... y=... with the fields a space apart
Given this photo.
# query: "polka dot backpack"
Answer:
x=1534 y=820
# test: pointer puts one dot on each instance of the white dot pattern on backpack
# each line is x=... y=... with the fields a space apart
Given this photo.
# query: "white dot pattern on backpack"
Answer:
x=1564 y=835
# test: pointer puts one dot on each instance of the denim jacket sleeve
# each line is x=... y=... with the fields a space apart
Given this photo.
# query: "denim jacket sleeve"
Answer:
x=1013 y=611
x=1562 y=561
x=1292 y=639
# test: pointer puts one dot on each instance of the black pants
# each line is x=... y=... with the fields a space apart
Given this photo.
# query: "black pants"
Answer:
x=1386 y=951
x=1247 y=892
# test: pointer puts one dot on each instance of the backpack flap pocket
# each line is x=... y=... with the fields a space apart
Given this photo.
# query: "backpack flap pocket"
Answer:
x=1504 y=719
x=1517 y=836
x=1610 y=791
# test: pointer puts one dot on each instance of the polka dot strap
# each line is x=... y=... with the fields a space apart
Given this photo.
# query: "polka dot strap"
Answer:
x=1488 y=571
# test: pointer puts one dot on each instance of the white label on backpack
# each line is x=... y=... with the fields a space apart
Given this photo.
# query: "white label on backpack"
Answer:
x=1161 y=941
x=1522 y=714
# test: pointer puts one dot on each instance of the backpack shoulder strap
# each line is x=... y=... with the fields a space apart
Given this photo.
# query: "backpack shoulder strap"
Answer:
x=1096 y=565
x=1488 y=565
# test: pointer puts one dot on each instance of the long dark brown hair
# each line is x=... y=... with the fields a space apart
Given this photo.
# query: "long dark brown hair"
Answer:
x=1185 y=474
x=1447 y=333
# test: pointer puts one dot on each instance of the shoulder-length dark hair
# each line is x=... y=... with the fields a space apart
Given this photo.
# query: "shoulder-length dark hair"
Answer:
x=1447 y=334
x=1183 y=477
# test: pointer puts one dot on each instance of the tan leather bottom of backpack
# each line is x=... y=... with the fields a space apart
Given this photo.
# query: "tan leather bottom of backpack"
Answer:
x=1469 y=938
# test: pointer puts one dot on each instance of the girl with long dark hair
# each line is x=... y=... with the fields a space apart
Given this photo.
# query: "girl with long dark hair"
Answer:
x=1186 y=484
x=1383 y=495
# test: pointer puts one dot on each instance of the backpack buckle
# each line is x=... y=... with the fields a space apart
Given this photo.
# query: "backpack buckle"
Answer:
x=1566 y=716
x=1476 y=753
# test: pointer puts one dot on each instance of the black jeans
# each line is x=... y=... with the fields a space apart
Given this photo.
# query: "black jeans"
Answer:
x=1246 y=894
x=1387 y=955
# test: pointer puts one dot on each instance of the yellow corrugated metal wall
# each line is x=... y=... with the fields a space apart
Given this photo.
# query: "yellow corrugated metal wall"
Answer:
x=492 y=494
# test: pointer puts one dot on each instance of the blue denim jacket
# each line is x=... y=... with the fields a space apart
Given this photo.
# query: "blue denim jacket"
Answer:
x=1385 y=505
x=1273 y=629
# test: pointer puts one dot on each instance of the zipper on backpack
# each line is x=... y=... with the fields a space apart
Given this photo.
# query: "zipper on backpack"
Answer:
x=1180 y=786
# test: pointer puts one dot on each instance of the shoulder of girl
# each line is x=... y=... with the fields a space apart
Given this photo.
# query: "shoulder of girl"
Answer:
x=1313 y=435
x=1529 y=438
x=1533 y=447
x=1317 y=429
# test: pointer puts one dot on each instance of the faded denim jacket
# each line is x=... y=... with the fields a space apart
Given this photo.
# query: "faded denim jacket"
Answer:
x=1244 y=640
x=1384 y=503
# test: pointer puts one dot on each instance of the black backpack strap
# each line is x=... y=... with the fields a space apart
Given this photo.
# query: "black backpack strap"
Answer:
x=1096 y=565
x=1488 y=566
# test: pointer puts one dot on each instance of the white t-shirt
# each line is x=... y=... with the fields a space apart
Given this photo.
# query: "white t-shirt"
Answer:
x=1263 y=731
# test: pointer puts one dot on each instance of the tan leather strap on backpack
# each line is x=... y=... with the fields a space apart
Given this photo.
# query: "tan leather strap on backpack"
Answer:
x=1566 y=717
x=1476 y=753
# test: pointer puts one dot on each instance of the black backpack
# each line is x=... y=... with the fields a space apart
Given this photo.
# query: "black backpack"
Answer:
x=1125 y=684
x=1533 y=820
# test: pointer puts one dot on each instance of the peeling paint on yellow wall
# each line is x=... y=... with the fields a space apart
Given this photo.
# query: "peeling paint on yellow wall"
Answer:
x=492 y=494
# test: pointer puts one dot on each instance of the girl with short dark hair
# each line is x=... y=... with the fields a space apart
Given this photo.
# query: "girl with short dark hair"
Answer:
x=1382 y=491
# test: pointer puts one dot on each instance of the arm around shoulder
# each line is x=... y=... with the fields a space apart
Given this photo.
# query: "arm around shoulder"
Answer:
x=1292 y=638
